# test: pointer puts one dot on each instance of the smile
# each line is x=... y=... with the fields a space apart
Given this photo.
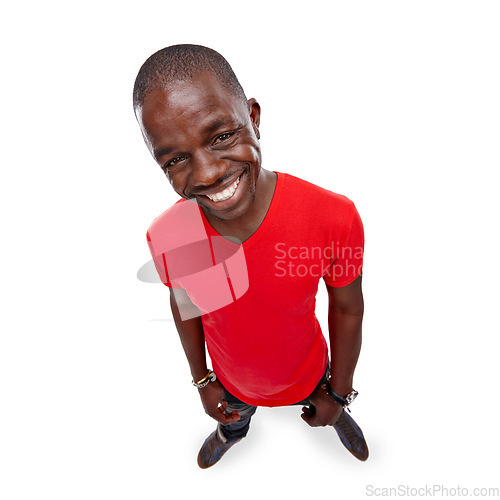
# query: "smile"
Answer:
x=226 y=193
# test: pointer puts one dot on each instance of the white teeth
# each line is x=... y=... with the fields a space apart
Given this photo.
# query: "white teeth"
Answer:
x=226 y=194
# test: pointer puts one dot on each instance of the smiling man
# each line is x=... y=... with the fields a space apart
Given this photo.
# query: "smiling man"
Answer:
x=255 y=313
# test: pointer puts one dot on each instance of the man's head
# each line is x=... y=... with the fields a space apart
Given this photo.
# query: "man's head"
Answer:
x=180 y=63
x=200 y=128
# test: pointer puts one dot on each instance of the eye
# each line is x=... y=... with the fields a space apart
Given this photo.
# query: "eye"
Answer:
x=223 y=137
x=173 y=161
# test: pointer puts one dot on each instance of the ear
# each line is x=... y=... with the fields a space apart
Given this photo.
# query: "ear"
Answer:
x=254 y=110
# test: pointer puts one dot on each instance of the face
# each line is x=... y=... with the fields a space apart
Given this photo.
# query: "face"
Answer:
x=206 y=141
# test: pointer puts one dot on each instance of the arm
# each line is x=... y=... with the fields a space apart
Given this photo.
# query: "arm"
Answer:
x=193 y=342
x=345 y=316
x=190 y=332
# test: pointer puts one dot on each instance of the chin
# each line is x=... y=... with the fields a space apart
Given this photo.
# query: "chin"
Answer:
x=236 y=212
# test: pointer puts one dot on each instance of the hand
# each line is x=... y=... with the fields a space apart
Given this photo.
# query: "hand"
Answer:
x=212 y=397
x=324 y=410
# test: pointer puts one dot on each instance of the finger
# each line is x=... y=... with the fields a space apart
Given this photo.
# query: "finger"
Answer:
x=222 y=407
x=306 y=411
x=231 y=417
x=219 y=417
x=311 y=417
x=225 y=418
x=307 y=419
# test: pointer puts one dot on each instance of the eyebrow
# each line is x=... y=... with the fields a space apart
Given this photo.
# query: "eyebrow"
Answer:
x=214 y=126
x=208 y=130
x=162 y=152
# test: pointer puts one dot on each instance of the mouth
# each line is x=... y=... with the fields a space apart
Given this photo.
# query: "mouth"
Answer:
x=226 y=193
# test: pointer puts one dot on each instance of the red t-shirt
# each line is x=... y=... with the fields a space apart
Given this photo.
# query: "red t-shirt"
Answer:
x=257 y=298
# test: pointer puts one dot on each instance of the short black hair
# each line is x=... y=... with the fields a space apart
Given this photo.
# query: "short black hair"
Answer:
x=182 y=62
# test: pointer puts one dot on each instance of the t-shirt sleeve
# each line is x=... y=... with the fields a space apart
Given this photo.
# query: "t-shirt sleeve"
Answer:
x=160 y=264
x=347 y=261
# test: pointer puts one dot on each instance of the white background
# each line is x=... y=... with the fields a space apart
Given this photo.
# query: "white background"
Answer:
x=392 y=103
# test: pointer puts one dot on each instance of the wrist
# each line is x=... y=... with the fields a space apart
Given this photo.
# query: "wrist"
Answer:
x=341 y=389
x=344 y=399
x=198 y=372
x=340 y=385
x=209 y=377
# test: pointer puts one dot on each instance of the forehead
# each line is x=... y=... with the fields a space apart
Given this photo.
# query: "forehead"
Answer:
x=200 y=98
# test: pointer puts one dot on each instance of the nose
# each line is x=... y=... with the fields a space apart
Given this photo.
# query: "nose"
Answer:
x=206 y=170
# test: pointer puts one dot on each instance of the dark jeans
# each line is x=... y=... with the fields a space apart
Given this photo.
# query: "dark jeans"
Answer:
x=239 y=429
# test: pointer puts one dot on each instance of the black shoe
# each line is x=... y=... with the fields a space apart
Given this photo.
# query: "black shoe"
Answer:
x=214 y=448
x=351 y=436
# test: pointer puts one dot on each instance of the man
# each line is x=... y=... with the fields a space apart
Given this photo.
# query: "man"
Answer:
x=244 y=255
